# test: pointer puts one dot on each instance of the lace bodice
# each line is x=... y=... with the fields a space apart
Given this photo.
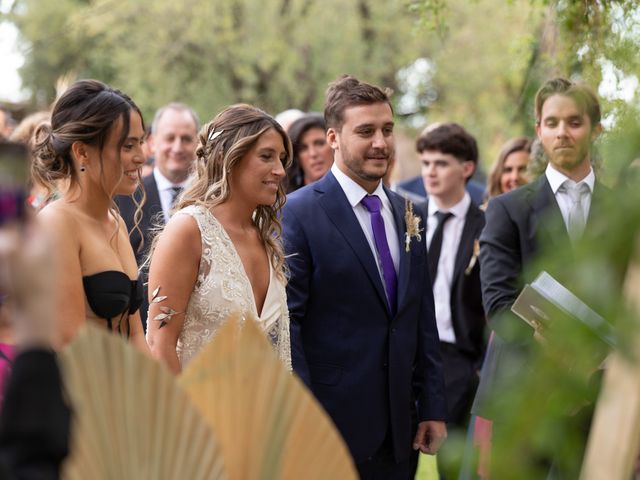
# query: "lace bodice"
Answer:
x=222 y=288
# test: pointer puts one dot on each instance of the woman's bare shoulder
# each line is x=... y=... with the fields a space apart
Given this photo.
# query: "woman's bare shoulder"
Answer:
x=181 y=232
x=60 y=220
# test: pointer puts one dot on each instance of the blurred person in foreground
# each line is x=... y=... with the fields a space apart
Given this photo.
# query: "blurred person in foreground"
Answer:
x=312 y=155
x=93 y=144
x=35 y=419
x=363 y=332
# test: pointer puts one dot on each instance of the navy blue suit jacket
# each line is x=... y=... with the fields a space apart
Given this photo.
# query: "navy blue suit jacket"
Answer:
x=366 y=366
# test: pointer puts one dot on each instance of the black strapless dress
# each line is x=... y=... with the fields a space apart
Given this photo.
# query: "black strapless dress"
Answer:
x=113 y=295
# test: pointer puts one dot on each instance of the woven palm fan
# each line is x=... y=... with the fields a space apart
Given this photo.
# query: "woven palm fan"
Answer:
x=131 y=420
x=268 y=424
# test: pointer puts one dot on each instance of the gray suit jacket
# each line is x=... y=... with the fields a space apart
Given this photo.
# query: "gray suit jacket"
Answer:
x=519 y=225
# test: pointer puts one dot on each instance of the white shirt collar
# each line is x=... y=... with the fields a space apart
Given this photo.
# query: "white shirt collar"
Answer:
x=164 y=183
x=556 y=179
x=459 y=210
x=354 y=192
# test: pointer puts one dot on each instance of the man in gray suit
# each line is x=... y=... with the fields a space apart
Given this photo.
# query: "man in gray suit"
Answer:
x=551 y=213
x=554 y=208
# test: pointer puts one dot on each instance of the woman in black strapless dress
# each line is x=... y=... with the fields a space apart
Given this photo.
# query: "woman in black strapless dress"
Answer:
x=90 y=153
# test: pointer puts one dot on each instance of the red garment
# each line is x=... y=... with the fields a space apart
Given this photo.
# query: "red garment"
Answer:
x=482 y=441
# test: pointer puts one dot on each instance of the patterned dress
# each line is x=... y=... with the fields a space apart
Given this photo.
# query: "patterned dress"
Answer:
x=223 y=288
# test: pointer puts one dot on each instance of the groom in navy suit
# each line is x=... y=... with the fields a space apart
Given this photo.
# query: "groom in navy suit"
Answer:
x=363 y=331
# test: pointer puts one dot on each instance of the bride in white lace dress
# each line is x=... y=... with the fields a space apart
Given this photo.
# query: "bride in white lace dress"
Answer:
x=220 y=253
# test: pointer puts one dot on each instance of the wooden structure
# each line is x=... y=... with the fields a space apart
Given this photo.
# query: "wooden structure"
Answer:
x=614 y=441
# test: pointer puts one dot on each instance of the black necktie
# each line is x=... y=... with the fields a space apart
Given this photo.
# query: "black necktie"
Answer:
x=175 y=191
x=433 y=255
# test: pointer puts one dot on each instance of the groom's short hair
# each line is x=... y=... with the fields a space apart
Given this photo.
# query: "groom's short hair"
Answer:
x=348 y=91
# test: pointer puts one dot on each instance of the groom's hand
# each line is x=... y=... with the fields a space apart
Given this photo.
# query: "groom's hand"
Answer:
x=430 y=436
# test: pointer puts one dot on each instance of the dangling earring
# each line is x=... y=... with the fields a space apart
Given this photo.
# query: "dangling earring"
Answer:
x=83 y=167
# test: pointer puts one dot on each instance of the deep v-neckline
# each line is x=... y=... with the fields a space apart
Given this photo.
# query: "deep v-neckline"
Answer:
x=245 y=277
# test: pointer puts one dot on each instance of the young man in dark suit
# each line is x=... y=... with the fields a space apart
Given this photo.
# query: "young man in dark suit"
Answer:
x=173 y=141
x=363 y=333
x=449 y=156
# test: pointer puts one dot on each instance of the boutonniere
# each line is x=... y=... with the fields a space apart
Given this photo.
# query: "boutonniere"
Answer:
x=474 y=257
x=412 y=221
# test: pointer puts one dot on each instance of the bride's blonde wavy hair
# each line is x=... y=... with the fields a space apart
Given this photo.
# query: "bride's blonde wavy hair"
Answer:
x=223 y=142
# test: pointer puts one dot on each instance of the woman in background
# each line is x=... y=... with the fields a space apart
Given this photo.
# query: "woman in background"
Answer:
x=312 y=155
x=510 y=170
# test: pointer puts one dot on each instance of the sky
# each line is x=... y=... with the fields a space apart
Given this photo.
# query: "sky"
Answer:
x=10 y=59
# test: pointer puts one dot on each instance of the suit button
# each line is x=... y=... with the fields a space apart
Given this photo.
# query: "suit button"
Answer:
x=393 y=330
x=385 y=365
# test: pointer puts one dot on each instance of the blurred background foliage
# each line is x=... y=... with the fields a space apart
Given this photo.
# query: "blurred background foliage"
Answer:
x=476 y=62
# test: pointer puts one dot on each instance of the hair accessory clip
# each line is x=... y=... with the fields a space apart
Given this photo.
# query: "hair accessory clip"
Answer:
x=213 y=135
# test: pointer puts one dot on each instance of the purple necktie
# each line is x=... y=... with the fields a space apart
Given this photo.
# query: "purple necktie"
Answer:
x=373 y=204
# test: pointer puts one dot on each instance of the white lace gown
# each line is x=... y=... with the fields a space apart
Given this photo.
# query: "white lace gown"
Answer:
x=222 y=288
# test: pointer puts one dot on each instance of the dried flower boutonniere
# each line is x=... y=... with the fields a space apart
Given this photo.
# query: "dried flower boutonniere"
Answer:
x=474 y=257
x=412 y=222
x=167 y=312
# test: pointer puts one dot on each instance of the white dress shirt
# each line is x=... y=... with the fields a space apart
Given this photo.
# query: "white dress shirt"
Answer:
x=556 y=179
x=451 y=235
x=355 y=193
x=165 y=191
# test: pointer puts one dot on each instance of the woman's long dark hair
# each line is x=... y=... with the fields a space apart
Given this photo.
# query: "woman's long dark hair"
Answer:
x=87 y=112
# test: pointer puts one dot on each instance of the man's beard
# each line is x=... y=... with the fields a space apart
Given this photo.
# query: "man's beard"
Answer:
x=358 y=167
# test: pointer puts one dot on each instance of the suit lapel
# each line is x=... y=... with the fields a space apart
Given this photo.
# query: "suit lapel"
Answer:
x=397 y=206
x=152 y=206
x=598 y=202
x=335 y=204
x=470 y=233
x=546 y=218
